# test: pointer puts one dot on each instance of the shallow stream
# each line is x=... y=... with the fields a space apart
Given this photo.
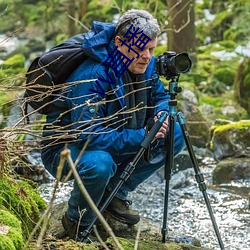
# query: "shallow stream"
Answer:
x=188 y=215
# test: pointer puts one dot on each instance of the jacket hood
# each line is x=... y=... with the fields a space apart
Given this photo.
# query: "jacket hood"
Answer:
x=98 y=42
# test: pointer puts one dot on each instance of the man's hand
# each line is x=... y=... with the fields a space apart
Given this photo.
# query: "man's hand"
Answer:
x=164 y=128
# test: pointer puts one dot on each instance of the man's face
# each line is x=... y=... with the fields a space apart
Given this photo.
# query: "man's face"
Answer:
x=140 y=64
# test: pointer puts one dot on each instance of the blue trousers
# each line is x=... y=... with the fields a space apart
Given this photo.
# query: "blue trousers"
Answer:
x=100 y=170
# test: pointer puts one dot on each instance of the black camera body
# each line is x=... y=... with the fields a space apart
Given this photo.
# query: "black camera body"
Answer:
x=171 y=65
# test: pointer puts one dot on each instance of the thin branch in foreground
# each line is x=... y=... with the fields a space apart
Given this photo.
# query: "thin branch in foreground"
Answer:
x=137 y=236
x=46 y=216
x=99 y=238
x=67 y=155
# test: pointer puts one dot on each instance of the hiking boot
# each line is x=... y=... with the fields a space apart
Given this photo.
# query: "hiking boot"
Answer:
x=75 y=231
x=121 y=211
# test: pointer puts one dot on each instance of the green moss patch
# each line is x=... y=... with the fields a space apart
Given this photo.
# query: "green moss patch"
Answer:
x=128 y=244
x=10 y=231
x=22 y=200
x=231 y=137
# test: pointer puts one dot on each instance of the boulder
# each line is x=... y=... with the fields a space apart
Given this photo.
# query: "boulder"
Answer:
x=230 y=140
x=197 y=125
x=231 y=169
x=150 y=235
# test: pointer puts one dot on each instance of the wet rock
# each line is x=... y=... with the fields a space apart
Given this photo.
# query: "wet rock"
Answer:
x=31 y=167
x=197 y=125
x=181 y=179
x=150 y=234
x=231 y=169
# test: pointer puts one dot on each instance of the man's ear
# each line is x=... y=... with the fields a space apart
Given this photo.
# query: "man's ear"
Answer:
x=117 y=41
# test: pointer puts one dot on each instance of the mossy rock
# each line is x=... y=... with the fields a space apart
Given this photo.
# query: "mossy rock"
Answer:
x=22 y=200
x=10 y=231
x=150 y=235
x=219 y=107
x=232 y=139
x=127 y=244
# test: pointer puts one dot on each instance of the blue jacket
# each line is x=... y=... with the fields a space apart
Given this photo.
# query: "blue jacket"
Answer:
x=89 y=116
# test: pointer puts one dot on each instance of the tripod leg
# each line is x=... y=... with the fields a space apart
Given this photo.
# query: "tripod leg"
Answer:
x=199 y=177
x=129 y=169
x=168 y=173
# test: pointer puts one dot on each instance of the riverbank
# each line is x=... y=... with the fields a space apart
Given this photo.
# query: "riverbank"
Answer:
x=188 y=216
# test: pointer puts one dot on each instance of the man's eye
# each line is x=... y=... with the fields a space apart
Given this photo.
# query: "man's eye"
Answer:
x=137 y=49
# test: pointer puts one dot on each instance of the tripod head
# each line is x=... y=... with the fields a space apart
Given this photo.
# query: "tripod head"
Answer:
x=174 y=89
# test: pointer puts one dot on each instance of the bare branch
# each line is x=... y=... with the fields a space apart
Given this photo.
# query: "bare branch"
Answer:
x=66 y=154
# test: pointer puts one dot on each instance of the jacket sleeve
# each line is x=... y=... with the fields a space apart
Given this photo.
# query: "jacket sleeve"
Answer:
x=88 y=116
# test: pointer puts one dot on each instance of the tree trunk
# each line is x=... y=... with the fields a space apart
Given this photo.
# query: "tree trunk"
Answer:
x=181 y=27
x=72 y=13
x=83 y=8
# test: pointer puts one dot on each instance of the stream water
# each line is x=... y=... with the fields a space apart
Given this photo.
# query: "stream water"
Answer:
x=187 y=212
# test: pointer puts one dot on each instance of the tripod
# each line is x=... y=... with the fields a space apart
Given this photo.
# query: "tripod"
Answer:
x=129 y=168
x=173 y=90
x=169 y=163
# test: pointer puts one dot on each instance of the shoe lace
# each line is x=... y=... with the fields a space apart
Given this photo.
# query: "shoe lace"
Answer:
x=127 y=203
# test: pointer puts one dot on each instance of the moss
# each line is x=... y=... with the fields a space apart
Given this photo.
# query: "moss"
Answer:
x=6 y=243
x=128 y=244
x=236 y=125
x=16 y=237
x=13 y=66
x=214 y=101
x=225 y=75
x=219 y=102
x=22 y=200
x=229 y=45
x=16 y=61
x=221 y=132
x=9 y=219
x=13 y=239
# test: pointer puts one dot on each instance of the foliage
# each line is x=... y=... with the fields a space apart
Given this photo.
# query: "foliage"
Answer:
x=228 y=23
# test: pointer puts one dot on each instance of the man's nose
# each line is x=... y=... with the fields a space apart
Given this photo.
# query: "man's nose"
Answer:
x=146 y=54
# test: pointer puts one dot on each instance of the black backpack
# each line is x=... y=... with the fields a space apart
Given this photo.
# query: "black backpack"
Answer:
x=47 y=74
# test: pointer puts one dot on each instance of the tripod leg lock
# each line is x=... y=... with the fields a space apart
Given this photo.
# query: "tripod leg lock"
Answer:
x=127 y=172
x=200 y=180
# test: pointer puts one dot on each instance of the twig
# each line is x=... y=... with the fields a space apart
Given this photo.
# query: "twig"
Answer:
x=137 y=236
x=77 y=21
x=66 y=154
x=99 y=238
x=45 y=217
